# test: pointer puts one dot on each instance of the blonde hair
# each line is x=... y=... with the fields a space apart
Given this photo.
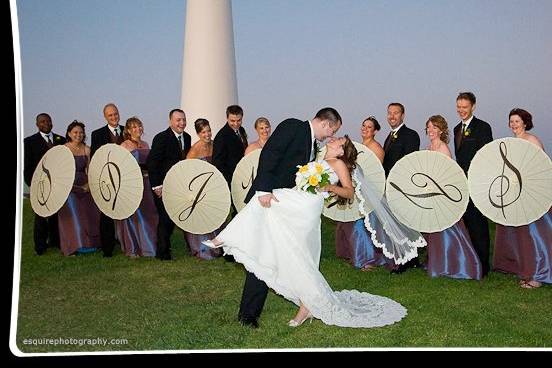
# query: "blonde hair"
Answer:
x=129 y=124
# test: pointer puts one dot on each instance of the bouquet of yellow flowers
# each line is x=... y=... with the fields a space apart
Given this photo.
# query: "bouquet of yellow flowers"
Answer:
x=313 y=176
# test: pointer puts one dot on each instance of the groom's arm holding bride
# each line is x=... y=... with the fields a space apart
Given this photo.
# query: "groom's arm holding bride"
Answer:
x=286 y=148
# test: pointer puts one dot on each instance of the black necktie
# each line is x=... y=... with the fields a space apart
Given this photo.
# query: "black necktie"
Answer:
x=315 y=149
x=50 y=144
x=388 y=141
x=116 y=132
x=181 y=146
x=460 y=137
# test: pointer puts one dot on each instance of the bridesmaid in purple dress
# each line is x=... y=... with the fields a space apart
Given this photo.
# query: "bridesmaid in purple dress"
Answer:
x=525 y=250
x=203 y=150
x=352 y=240
x=79 y=217
x=138 y=233
x=450 y=252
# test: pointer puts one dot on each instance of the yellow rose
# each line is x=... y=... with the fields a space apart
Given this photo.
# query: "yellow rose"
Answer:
x=318 y=168
x=313 y=180
x=304 y=169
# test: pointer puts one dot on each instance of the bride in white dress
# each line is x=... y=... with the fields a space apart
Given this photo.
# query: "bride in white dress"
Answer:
x=282 y=245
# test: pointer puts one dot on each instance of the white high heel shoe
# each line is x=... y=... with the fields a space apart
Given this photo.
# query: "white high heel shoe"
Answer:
x=294 y=323
x=211 y=244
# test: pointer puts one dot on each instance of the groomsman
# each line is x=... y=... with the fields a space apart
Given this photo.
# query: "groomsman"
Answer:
x=400 y=142
x=112 y=132
x=168 y=148
x=45 y=232
x=470 y=135
x=229 y=148
x=230 y=143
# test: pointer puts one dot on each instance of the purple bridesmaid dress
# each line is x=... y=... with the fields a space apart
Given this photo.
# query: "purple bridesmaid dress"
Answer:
x=79 y=217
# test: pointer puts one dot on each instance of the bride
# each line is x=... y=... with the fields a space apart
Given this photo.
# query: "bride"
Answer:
x=282 y=247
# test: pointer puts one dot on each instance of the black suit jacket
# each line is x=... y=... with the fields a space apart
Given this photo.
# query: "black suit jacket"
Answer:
x=480 y=134
x=34 y=147
x=407 y=141
x=289 y=145
x=103 y=136
x=164 y=153
x=228 y=150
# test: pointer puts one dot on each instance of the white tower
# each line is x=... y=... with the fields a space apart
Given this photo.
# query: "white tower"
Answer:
x=209 y=69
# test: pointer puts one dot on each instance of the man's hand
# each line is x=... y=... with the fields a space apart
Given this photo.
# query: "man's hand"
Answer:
x=266 y=198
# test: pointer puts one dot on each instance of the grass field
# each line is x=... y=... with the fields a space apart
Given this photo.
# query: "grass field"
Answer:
x=188 y=303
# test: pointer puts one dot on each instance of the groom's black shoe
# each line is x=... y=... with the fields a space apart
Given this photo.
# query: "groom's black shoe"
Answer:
x=249 y=322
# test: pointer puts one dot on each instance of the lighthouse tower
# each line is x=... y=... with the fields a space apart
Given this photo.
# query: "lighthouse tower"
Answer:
x=209 y=68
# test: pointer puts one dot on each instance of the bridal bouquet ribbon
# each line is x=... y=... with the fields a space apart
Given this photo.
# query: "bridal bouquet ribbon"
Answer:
x=313 y=176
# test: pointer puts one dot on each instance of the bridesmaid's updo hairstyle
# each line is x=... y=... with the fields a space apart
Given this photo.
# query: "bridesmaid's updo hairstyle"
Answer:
x=75 y=123
x=525 y=117
x=440 y=122
x=374 y=121
x=201 y=123
x=131 y=122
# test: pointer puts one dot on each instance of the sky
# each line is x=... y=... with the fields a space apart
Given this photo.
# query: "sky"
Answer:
x=294 y=57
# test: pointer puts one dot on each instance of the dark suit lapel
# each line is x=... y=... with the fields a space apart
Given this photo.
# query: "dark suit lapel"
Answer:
x=308 y=142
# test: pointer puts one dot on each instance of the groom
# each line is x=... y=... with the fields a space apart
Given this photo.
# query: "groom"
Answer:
x=292 y=143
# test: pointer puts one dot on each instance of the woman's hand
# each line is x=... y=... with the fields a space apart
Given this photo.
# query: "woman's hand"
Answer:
x=327 y=188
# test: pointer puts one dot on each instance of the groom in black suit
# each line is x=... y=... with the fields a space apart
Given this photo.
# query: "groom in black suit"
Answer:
x=400 y=142
x=45 y=232
x=469 y=136
x=294 y=142
x=112 y=132
x=167 y=148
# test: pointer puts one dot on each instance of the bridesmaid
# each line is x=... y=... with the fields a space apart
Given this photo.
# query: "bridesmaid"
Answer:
x=202 y=150
x=262 y=126
x=450 y=252
x=138 y=233
x=79 y=217
x=525 y=250
x=353 y=241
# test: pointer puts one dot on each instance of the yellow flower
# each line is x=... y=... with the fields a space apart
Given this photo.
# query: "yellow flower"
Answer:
x=318 y=168
x=313 y=180
x=304 y=169
x=467 y=132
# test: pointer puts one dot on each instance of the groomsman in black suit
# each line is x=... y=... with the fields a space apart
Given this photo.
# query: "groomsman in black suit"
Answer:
x=45 y=232
x=110 y=133
x=229 y=148
x=294 y=142
x=469 y=136
x=230 y=143
x=167 y=148
x=400 y=142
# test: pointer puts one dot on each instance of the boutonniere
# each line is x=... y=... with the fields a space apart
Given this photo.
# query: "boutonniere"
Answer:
x=394 y=135
x=57 y=137
x=467 y=132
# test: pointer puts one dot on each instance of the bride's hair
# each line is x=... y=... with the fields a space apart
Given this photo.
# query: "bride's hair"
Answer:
x=350 y=154
x=349 y=158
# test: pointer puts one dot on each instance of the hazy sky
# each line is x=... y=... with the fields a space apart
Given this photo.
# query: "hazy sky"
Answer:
x=294 y=57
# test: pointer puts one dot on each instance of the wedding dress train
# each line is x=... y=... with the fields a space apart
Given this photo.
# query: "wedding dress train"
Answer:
x=281 y=245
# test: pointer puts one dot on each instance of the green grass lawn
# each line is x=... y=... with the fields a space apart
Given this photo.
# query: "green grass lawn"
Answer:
x=188 y=303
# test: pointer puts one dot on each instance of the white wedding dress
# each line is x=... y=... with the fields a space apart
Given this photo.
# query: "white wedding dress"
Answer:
x=281 y=245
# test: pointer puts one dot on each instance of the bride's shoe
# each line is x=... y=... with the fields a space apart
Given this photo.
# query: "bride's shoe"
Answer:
x=212 y=244
x=294 y=323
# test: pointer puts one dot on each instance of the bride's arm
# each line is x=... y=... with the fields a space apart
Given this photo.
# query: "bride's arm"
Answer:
x=345 y=190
